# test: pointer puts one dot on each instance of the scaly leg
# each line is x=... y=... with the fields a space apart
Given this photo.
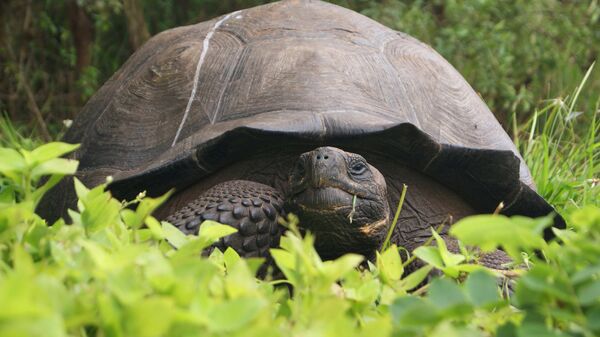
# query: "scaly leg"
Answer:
x=250 y=207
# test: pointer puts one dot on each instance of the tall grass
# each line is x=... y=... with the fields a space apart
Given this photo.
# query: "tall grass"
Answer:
x=16 y=137
x=561 y=146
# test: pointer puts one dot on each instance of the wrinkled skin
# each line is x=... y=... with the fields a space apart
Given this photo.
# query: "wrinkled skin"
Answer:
x=342 y=199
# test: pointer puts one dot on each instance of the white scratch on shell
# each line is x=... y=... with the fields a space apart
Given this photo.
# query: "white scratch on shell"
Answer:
x=197 y=73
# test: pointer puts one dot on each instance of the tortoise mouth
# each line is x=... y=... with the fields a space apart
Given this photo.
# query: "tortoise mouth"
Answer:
x=322 y=199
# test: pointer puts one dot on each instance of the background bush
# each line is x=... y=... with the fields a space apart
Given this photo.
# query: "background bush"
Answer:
x=514 y=53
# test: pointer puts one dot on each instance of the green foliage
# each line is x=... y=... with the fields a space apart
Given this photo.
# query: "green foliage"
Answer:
x=568 y=282
x=473 y=308
x=514 y=235
x=22 y=169
x=117 y=271
x=440 y=257
x=13 y=136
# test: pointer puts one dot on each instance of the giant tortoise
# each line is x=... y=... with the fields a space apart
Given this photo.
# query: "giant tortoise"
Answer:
x=302 y=107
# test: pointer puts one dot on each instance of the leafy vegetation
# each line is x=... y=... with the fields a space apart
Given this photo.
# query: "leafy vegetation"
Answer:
x=117 y=271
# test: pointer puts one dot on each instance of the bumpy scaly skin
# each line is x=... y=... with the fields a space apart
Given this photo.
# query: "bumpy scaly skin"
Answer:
x=250 y=207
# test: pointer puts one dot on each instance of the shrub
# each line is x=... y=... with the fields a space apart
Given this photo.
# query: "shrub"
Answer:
x=117 y=271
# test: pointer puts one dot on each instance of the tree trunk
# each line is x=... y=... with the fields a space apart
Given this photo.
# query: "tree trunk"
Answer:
x=136 y=25
x=83 y=35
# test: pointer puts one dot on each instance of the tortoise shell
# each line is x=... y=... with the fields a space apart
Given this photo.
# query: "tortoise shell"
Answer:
x=195 y=98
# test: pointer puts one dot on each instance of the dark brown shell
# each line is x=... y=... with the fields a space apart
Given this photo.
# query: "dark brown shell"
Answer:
x=311 y=71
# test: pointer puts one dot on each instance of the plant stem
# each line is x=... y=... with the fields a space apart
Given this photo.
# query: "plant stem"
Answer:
x=386 y=243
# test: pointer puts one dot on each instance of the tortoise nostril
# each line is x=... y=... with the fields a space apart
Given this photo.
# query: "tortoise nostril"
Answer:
x=318 y=157
x=326 y=157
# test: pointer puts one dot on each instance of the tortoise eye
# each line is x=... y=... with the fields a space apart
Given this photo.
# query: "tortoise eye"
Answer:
x=358 y=168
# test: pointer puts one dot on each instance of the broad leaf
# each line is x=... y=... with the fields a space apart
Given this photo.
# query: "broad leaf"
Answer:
x=50 y=151
x=430 y=255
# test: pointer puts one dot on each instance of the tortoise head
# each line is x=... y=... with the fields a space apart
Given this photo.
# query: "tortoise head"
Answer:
x=341 y=198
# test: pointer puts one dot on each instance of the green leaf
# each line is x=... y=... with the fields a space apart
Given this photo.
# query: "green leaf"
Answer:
x=130 y=218
x=55 y=166
x=34 y=236
x=283 y=258
x=99 y=210
x=586 y=217
x=75 y=217
x=23 y=262
x=7 y=194
x=234 y=314
x=11 y=161
x=286 y=261
x=589 y=293
x=541 y=281
x=50 y=151
x=368 y=291
x=482 y=289
x=254 y=263
x=145 y=207
x=390 y=265
x=447 y=295
x=339 y=267
x=230 y=257
x=593 y=318
x=537 y=330
x=150 y=317
x=413 y=311
x=173 y=235
x=110 y=315
x=449 y=259
x=491 y=231
x=430 y=255
x=212 y=231
x=155 y=228
x=101 y=258
x=41 y=191
x=587 y=273
x=415 y=278
x=80 y=189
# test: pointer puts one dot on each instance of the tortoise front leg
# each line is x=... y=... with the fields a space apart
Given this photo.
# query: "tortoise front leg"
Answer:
x=250 y=207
